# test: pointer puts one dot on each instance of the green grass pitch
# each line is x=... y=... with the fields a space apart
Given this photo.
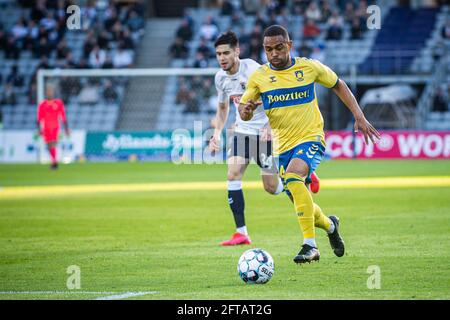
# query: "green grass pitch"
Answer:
x=165 y=243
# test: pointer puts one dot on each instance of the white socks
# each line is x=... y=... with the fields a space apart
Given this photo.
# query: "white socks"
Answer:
x=310 y=242
x=331 y=229
x=280 y=187
x=242 y=230
x=234 y=185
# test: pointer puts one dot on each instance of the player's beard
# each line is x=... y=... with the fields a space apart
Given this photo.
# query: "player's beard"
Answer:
x=231 y=66
x=281 y=63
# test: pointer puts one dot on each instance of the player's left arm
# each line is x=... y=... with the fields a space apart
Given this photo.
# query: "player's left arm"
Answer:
x=361 y=123
x=329 y=79
x=64 y=118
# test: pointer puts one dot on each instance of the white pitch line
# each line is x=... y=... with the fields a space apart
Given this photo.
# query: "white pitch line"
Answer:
x=126 y=295
x=105 y=295
x=56 y=292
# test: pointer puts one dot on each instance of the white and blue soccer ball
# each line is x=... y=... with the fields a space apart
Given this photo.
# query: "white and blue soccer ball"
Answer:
x=256 y=266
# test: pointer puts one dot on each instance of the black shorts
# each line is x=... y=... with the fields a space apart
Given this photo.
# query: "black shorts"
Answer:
x=250 y=147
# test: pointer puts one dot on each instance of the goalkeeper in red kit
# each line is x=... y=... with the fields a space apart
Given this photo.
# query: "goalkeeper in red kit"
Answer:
x=49 y=115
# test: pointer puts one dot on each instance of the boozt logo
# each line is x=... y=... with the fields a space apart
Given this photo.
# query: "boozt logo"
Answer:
x=288 y=96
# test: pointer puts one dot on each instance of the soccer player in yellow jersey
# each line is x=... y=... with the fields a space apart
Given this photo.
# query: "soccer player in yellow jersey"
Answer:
x=285 y=86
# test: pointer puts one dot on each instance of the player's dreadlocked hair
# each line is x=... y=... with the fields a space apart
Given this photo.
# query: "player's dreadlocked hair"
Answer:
x=276 y=30
x=229 y=38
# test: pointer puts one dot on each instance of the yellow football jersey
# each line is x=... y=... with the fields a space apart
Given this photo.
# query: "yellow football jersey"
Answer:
x=290 y=101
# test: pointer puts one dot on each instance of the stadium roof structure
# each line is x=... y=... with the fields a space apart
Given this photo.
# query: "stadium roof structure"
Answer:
x=391 y=107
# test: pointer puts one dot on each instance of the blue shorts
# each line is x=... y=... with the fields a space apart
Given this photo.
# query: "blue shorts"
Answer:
x=310 y=152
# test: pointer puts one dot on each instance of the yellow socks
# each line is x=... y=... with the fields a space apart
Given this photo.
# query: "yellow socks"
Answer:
x=303 y=203
x=309 y=214
x=320 y=220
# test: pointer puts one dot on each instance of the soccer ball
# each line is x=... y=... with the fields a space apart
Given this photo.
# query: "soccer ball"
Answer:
x=256 y=266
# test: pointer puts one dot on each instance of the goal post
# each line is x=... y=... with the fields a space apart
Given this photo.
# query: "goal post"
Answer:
x=133 y=100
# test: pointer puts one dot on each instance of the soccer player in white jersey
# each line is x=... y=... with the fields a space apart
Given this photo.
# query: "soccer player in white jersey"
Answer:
x=251 y=140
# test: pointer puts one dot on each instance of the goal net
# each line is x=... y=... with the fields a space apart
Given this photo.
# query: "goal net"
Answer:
x=133 y=107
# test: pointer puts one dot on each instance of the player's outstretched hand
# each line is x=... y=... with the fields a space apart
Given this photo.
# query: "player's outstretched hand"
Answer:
x=214 y=144
x=246 y=110
x=367 y=129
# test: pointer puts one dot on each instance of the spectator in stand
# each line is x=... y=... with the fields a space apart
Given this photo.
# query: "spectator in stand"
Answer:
x=62 y=50
x=39 y=11
x=272 y=19
x=326 y=11
x=445 y=33
x=127 y=39
x=182 y=94
x=3 y=38
x=299 y=6
x=103 y=40
x=205 y=49
x=349 y=13
x=227 y=8
x=111 y=17
x=15 y=78
x=49 y=22
x=310 y=30
x=32 y=35
x=188 y=17
x=8 y=96
x=108 y=62
x=135 y=22
x=255 y=49
x=42 y=48
x=284 y=18
x=88 y=15
x=69 y=60
x=12 y=50
x=192 y=104
x=305 y=50
x=109 y=93
x=335 y=26
x=260 y=21
x=273 y=7
x=209 y=30
x=19 y=31
x=251 y=7
x=178 y=50
x=236 y=20
x=89 y=44
x=97 y=57
x=440 y=102
x=185 y=31
x=361 y=11
x=356 y=29
x=122 y=58
x=313 y=12
x=32 y=96
x=200 y=61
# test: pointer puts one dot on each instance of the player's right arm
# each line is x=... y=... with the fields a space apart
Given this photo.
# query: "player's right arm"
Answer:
x=221 y=118
x=249 y=100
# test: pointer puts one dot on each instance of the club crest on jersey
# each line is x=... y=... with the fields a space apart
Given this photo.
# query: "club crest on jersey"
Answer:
x=299 y=75
x=273 y=79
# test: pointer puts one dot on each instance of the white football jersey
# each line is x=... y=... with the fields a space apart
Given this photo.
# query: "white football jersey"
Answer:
x=232 y=87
